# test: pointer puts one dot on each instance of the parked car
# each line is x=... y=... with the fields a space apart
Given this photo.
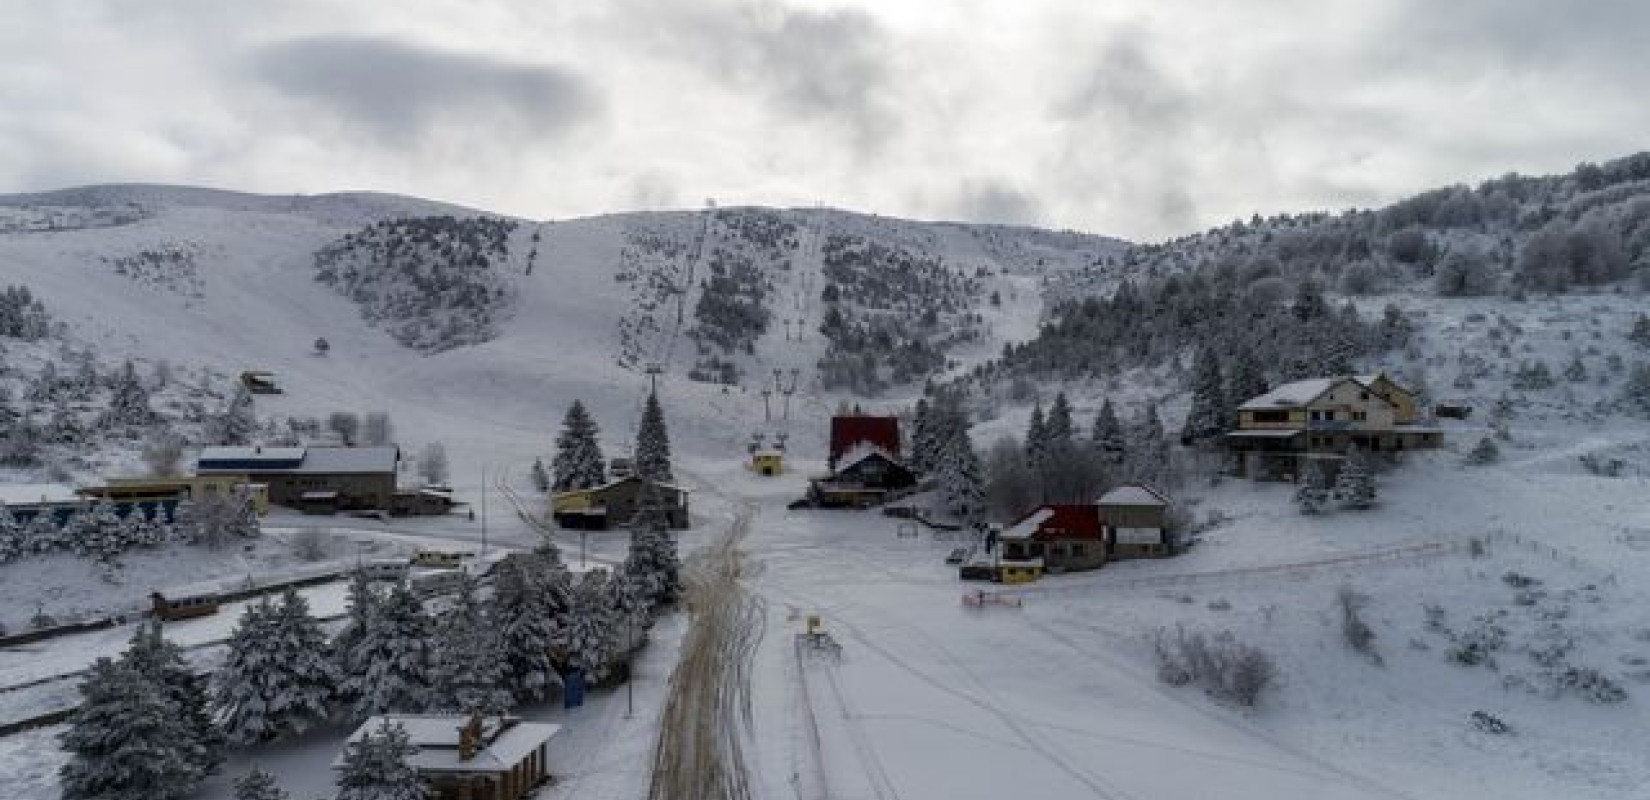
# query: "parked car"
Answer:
x=957 y=556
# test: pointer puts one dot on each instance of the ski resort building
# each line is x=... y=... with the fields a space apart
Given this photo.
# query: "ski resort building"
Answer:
x=25 y=501
x=616 y=503
x=157 y=493
x=1061 y=537
x=320 y=479
x=1136 y=521
x=1326 y=415
x=471 y=758
x=850 y=431
x=865 y=475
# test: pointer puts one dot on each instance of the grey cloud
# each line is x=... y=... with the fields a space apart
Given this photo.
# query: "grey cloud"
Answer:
x=832 y=67
x=993 y=200
x=401 y=91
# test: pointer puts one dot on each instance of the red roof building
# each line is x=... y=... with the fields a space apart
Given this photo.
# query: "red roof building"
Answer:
x=1063 y=537
x=849 y=431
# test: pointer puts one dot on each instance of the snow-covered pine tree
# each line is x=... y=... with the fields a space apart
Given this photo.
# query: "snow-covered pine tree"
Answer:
x=1640 y=335
x=586 y=642
x=1148 y=448
x=125 y=741
x=21 y=445
x=377 y=767
x=85 y=380
x=467 y=673
x=922 y=437
x=289 y=678
x=46 y=385
x=1036 y=439
x=237 y=423
x=1245 y=380
x=1635 y=392
x=42 y=534
x=13 y=542
x=521 y=614
x=161 y=661
x=1576 y=370
x=432 y=463
x=1108 y=437
x=960 y=477
x=361 y=608
x=653 y=444
x=1484 y=453
x=393 y=673
x=64 y=425
x=579 y=463
x=1209 y=413
x=258 y=785
x=129 y=400
x=1311 y=495
x=653 y=562
x=1057 y=425
x=1355 y=486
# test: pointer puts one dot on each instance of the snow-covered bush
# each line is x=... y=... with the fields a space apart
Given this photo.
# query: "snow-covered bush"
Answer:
x=1354 y=630
x=1224 y=667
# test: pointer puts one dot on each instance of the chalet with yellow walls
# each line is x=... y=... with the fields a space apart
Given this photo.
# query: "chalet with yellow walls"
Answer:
x=1327 y=416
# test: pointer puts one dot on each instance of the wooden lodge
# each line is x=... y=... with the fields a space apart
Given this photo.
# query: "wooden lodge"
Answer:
x=866 y=476
x=1320 y=416
x=615 y=504
x=471 y=758
x=314 y=479
x=1130 y=521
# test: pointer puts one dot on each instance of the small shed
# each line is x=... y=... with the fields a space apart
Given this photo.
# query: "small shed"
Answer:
x=319 y=502
x=470 y=758
x=617 y=502
x=768 y=462
x=1137 y=521
x=1062 y=536
x=1019 y=570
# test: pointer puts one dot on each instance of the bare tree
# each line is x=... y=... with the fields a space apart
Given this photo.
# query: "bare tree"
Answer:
x=432 y=463
x=163 y=453
x=377 y=429
x=346 y=424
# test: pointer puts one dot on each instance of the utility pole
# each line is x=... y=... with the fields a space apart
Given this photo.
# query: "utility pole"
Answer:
x=653 y=373
x=767 y=410
x=630 y=660
x=483 y=512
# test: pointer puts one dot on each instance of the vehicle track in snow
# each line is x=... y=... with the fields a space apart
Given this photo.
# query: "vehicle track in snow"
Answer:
x=706 y=719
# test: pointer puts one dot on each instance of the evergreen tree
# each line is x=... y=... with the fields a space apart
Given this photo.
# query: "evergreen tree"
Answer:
x=1108 y=436
x=1148 y=448
x=277 y=679
x=1640 y=335
x=21 y=445
x=1037 y=439
x=961 y=478
x=13 y=541
x=1484 y=453
x=125 y=741
x=1209 y=414
x=392 y=668
x=579 y=463
x=237 y=423
x=1311 y=495
x=1355 y=486
x=46 y=385
x=522 y=613
x=586 y=642
x=64 y=425
x=158 y=659
x=376 y=767
x=923 y=439
x=258 y=785
x=653 y=563
x=467 y=673
x=1576 y=370
x=129 y=403
x=1057 y=425
x=1245 y=381
x=1635 y=392
x=653 y=444
x=1010 y=487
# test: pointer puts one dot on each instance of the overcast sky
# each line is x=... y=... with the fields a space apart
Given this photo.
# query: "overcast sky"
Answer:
x=1138 y=118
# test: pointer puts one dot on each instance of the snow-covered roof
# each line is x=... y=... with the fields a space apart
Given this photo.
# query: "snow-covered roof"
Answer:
x=23 y=494
x=255 y=454
x=375 y=458
x=1269 y=433
x=861 y=451
x=507 y=741
x=1298 y=393
x=1133 y=495
x=379 y=458
x=1028 y=526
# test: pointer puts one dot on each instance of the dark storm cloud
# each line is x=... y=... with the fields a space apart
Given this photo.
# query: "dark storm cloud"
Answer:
x=401 y=91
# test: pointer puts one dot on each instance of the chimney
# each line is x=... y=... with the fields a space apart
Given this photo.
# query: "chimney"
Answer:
x=469 y=737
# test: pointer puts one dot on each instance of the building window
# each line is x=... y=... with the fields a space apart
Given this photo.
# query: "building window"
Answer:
x=1271 y=416
x=1363 y=396
x=1078 y=550
x=1360 y=415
